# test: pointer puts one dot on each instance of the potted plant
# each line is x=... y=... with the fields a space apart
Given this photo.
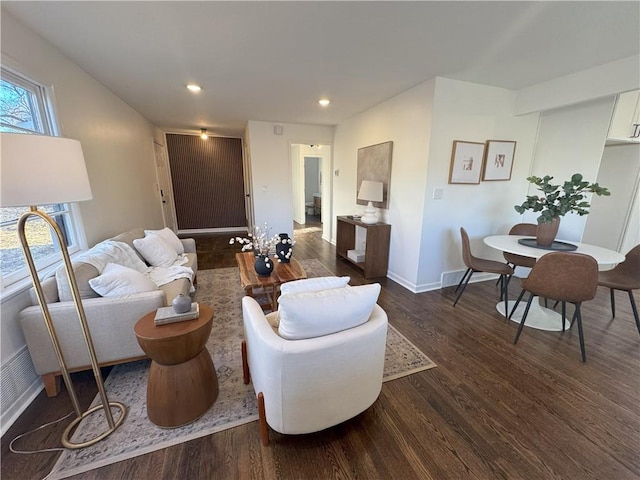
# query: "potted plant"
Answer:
x=557 y=201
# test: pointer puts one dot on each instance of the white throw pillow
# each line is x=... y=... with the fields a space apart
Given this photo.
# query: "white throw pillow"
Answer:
x=117 y=280
x=313 y=284
x=168 y=236
x=156 y=251
x=314 y=314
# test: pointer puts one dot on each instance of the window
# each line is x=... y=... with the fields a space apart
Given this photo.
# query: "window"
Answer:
x=24 y=109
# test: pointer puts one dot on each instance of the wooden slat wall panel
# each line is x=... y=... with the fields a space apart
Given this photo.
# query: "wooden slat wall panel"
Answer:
x=207 y=181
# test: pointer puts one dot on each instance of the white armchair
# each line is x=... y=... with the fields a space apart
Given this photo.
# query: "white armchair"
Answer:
x=309 y=384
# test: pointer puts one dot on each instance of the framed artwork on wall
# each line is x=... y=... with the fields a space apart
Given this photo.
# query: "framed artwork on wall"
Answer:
x=498 y=161
x=466 y=162
x=374 y=163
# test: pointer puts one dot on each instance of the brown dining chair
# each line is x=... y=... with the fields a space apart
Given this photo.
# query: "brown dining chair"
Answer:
x=514 y=260
x=475 y=264
x=568 y=277
x=625 y=277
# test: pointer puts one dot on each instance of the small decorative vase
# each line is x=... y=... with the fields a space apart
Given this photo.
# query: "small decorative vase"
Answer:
x=284 y=248
x=181 y=304
x=263 y=265
x=546 y=232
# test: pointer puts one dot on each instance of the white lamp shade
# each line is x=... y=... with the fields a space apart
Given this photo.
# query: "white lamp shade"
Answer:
x=370 y=191
x=40 y=170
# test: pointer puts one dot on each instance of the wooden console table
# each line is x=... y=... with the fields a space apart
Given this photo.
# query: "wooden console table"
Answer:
x=376 y=258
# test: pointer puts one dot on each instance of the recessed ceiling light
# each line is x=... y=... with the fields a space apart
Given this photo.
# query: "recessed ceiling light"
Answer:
x=194 y=88
x=324 y=102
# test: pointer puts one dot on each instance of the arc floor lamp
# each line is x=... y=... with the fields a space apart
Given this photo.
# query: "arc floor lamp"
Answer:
x=41 y=170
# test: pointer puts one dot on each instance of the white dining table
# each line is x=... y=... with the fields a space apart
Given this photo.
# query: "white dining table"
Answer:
x=539 y=316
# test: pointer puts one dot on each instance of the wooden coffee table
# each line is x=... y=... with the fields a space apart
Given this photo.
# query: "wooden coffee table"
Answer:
x=182 y=382
x=256 y=286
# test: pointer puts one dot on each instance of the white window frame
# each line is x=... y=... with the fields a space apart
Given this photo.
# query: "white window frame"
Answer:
x=19 y=279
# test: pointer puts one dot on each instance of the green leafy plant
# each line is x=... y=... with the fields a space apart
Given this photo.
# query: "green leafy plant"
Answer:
x=558 y=200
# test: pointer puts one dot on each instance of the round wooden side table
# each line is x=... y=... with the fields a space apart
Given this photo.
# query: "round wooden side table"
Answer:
x=182 y=382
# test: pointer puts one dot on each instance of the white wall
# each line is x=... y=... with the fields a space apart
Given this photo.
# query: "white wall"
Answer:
x=597 y=82
x=571 y=140
x=271 y=169
x=406 y=120
x=475 y=113
x=118 y=149
x=117 y=142
x=611 y=220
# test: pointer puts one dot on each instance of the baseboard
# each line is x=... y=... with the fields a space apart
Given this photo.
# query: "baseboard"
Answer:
x=450 y=279
x=212 y=230
x=20 y=386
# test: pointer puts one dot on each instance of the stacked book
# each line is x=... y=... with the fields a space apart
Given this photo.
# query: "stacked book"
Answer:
x=166 y=315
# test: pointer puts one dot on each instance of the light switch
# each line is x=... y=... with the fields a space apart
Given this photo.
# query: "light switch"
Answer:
x=437 y=193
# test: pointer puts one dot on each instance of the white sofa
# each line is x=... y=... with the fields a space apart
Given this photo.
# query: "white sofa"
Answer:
x=110 y=319
x=319 y=360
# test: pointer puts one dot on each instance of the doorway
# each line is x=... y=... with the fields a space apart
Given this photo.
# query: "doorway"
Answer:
x=311 y=189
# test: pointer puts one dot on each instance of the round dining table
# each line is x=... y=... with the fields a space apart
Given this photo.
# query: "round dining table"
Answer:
x=539 y=316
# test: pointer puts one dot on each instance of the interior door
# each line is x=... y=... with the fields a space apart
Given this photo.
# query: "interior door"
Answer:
x=164 y=186
x=248 y=190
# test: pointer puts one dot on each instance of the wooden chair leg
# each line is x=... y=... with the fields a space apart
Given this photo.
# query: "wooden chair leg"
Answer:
x=264 y=428
x=245 y=364
x=51 y=384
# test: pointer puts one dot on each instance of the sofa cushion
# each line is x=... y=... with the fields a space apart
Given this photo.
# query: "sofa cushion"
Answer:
x=314 y=314
x=156 y=251
x=314 y=284
x=168 y=236
x=117 y=280
x=129 y=237
x=83 y=273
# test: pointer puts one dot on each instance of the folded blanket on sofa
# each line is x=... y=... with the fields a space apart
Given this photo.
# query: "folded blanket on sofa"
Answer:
x=111 y=251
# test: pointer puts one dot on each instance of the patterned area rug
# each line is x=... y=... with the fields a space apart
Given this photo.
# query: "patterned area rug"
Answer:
x=236 y=403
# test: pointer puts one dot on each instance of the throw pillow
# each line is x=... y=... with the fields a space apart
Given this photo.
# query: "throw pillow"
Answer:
x=168 y=236
x=83 y=273
x=156 y=251
x=314 y=314
x=314 y=284
x=117 y=280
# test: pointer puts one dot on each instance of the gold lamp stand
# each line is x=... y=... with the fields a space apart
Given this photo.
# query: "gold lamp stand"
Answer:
x=113 y=424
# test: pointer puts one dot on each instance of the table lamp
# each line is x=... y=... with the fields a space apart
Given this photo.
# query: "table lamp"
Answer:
x=372 y=192
x=41 y=170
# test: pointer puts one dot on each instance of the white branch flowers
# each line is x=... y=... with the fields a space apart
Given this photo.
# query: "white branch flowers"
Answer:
x=258 y=240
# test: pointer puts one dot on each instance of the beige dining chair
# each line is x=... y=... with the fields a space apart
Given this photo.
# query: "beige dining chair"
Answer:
x=568 y=277
x=476 y=264
x=625 y=277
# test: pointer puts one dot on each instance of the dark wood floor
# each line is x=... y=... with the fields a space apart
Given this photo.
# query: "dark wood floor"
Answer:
x=490 y=410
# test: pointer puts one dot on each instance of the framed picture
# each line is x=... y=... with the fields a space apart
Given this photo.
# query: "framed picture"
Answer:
x=374 y=163
x=498 y=161
x=466 y=162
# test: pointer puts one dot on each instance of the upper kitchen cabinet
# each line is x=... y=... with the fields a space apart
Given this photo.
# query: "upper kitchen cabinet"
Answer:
x=625 y=124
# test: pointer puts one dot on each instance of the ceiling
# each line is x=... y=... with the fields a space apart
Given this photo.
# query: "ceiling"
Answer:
x=273 y=61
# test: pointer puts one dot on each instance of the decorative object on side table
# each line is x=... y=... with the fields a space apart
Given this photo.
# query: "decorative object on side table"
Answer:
x=166 y=315
x=181 y=304
x=370 y=192
x=557 y=201
x=284 y=248
x=262 y=244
